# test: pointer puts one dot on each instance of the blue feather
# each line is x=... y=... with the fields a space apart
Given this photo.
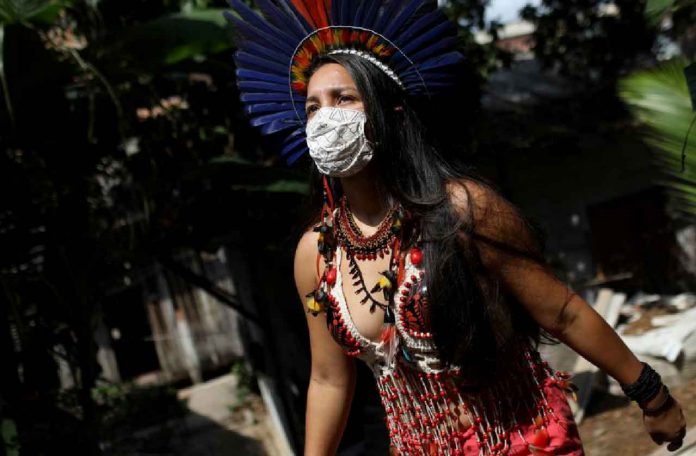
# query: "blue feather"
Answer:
x=298 y=136
x=264 y=97
x=264 y=108
x=387 y=13
x=398 y=62
x=276 y=126
x=451 y=58
x=445 y=44
x=357 y=17
x=300 y=131
x=436 y=33
x=295 y=139
x=267 y=51
x=371 y=14
x=335 y=13
x=249 y=33
x=427 y=41
x=252 y=61
x=277 y=116
x=424 y=23
x=252 y=75
x=281 y=19
x=255 y=86
x=293 y=157
x=402 y=19
x=251 y=17
x=290 y=11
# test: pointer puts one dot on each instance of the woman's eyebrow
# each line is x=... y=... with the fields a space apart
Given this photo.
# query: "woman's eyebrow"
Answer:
x=333 y=92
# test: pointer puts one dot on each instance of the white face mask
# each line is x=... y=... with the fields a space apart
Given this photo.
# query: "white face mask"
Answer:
x=337 y=142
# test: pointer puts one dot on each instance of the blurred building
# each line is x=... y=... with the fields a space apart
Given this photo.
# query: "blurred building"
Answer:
x=591 y=185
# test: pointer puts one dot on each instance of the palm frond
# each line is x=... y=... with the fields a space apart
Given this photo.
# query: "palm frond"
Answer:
x=659 y=99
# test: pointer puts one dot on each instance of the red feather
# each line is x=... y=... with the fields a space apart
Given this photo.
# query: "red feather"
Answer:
x=314 y=11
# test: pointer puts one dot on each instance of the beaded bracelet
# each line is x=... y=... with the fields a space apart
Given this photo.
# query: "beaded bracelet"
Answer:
x=663 y=407
x=647 y=386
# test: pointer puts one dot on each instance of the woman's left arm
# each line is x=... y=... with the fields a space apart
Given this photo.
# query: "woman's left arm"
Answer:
x=557 y=308
x=572 y=320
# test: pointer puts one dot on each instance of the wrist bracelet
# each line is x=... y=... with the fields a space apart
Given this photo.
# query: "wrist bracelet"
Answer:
x=663 y=407
x=646 y=388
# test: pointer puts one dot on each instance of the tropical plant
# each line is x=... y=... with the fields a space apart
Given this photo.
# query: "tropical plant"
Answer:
x=660 y=99
x=656 y=9
x=113 y=126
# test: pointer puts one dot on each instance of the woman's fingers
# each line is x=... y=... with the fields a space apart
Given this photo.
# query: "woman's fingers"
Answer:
x=675 y=442
x=658 y=437
x=678 y=441
x=675 y=445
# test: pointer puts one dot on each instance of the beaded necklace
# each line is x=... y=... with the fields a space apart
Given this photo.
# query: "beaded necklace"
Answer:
x=338 y=228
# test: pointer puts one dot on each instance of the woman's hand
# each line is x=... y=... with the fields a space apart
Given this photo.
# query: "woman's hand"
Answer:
x=667 y=423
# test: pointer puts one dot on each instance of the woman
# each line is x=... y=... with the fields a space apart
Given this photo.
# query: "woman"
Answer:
x=420 y=270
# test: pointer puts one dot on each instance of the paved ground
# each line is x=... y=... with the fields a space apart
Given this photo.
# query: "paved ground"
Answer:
x=688 y=449
x=613 y=426
x=220 y=422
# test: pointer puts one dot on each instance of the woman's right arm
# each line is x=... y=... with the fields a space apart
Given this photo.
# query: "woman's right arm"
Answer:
x=332 y=380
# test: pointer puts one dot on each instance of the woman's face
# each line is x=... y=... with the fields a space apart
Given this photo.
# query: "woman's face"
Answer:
x=332 y=86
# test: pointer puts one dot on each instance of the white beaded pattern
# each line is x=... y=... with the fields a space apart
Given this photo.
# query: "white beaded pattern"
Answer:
x=374 y=60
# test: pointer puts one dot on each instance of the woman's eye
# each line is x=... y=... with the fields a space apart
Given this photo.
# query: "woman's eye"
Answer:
x=310 y=109
x=346 y=98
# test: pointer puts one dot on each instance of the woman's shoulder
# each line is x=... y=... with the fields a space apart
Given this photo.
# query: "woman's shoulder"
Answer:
x=306 y=255
x=306 y=248
x=474 y=198
x=491 y=219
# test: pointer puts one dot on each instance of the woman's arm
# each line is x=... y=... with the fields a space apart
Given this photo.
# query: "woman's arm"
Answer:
x=332 y=380
x=551 y=303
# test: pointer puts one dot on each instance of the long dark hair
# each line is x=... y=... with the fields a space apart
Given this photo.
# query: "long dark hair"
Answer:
x=475 y=323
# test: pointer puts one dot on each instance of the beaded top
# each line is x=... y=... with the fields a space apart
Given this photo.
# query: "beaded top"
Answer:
x=427 y=412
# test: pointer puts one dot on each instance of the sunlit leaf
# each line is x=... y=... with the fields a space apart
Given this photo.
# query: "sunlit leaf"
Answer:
x=660 y=99
x=655 y=9
x=44 y=11
x=690 y=73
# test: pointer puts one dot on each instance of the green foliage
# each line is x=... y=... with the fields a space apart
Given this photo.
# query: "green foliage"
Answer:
x=123 y=408
x=690 y=74
x=657 y=9
x=121 y=141
x=24 y=11
x=659 y=98
x=246 y=383
x=8 y=437
x=171 y=39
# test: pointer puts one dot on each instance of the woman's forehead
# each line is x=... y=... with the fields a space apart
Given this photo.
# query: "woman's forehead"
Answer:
x=329 y=76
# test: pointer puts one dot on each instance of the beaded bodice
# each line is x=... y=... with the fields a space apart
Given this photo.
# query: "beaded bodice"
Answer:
x=412 y=343
x=427 y=411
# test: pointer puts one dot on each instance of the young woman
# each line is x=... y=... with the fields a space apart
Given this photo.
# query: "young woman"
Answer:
x=421 y=270
x=488 y=293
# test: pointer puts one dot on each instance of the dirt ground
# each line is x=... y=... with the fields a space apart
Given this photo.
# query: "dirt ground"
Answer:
x=619 y=431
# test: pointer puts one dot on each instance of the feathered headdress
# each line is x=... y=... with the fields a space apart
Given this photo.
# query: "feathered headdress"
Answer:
x=410 y=40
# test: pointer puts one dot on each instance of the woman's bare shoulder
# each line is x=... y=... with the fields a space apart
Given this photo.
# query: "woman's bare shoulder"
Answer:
x=474 y=199
x=305 y=260
x=491 y=218
x=307 y=245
